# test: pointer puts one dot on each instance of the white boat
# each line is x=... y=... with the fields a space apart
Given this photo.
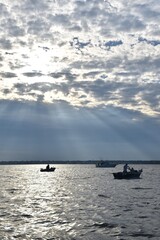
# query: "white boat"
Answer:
x=105 y=164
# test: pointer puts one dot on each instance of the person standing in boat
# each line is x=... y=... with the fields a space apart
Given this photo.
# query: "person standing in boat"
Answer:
x=125 y=168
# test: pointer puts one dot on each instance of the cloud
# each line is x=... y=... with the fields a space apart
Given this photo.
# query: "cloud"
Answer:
x=152 y=42
x=37 y=26
x=66 y=75
x=8 y=75
x=88 y=53
x=5 y=43
x=3 y=10
x=110 y=44
x=32 y=74
x=78 y=44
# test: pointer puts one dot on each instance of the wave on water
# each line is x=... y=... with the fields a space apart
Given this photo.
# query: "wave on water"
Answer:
x=105 y=225
x=77 y=203
x=141 y=188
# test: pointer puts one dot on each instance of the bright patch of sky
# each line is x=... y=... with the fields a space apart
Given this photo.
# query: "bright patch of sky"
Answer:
x=86 y=53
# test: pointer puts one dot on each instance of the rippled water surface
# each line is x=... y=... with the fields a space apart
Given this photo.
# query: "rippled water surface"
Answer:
x=78 y=202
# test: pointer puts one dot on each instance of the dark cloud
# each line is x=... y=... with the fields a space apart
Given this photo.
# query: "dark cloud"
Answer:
x=6 y=91
x=1 y=58
x=25 y=88
x=60 y=19
x=44 y=48
x=124 y=93
x=3 y=10
x=92 y=74
x=56 y=74
x=101 y=90
x=75 y=28
x=33 y=74
x=16 y=31
x=38 y=26
x=42 y=88
x=34 y=6
x=5 y=44
x=16 y=64
x=82 y=12
x=150 y=94
x=147 y=11
x=112 y=24
x=11 y=26
x=9 y=53
x=142 y=65
x=8 y=75
x=65 y=74
x=92 y=64
x=130 y=23
x=126 y=74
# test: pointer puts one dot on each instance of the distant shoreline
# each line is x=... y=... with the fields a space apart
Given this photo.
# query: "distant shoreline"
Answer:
x=78 y=162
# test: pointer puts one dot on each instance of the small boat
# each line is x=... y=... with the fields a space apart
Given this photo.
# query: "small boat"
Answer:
x=105 y=164
x=52 y=169
x=133 y=174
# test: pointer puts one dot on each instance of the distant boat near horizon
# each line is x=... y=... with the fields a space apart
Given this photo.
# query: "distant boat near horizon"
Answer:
x=48 y=169
x=105 y=164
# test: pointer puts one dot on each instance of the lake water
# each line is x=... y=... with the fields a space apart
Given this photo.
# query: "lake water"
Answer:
x=78 y=202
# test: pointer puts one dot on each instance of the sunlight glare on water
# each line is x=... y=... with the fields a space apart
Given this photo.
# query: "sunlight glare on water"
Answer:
x=78 y=202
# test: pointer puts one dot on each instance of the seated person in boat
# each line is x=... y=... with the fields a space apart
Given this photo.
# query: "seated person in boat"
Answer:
x=47 y=167
x=132 y=169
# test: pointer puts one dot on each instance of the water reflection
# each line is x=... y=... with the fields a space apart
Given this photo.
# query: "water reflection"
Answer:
x=77 y=202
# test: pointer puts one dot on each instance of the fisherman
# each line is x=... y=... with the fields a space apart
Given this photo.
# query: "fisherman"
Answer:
x=47 y=167
x=125 y=168
x=132 y=169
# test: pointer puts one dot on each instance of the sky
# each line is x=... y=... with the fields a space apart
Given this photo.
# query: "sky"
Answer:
x=79 y=80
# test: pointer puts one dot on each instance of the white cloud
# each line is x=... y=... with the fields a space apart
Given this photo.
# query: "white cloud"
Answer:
x=87 y=53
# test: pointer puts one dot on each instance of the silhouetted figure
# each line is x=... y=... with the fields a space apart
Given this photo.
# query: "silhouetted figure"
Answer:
x=125 y=168
x=47 y=167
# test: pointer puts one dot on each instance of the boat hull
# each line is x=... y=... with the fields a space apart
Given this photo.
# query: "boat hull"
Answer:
x=128 y=175
x=47 y=170
x=105 y=164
